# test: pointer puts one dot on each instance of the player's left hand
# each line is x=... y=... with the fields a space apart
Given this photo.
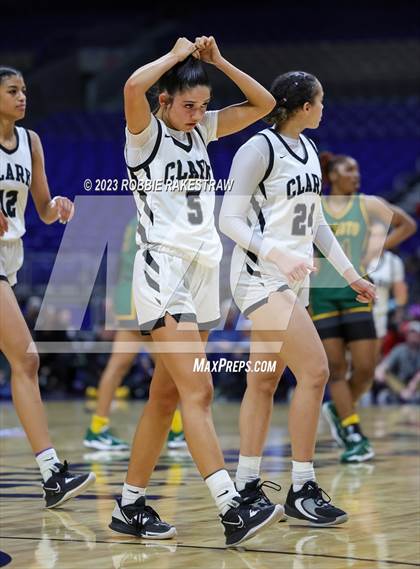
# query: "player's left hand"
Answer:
x=208 y=50
x=366 y=291
x=64 y=208
x=4 y=225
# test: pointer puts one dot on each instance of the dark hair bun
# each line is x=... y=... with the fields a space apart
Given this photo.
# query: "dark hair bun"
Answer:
x=291 y=91
x=184 y=75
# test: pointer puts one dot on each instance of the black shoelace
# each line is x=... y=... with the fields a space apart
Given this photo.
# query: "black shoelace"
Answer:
x=317 y=493
x=61 y=469
x=259 y=492
x=140 y=513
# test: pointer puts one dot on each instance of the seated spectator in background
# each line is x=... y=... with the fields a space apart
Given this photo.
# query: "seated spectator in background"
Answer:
x=400 y=370
x=386 y=270
x=395 y=333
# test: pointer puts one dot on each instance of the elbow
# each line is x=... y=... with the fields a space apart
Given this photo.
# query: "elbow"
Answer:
x=406 y=225
x=412 y=227
x=131 y=87
x=268 y=103
x=271 y=103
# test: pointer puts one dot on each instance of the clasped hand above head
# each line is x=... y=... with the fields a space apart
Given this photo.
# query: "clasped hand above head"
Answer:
x=204 y=48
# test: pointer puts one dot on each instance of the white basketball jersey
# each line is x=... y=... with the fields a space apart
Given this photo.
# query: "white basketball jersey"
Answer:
x=175 y=195
x=15 y=180
x=286 y=204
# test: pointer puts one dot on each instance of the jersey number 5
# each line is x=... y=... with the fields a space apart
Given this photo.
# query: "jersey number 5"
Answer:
x=195 y=216
x=8 y=201
x=302 y=220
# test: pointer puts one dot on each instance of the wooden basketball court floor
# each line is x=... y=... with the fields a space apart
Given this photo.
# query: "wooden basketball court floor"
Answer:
x=382 y=498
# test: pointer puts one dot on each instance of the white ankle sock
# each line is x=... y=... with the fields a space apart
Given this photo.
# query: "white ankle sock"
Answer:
x=131 y=493
x=248 y=470
x=46 y=460
x=222 y=489
x=301 y=473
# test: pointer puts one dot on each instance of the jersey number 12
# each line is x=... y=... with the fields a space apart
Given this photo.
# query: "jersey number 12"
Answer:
x=8 y=201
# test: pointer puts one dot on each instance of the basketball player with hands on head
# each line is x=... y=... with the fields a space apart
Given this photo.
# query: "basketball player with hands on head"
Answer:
x=274 y=215
x=22 y=170
x=176 y=272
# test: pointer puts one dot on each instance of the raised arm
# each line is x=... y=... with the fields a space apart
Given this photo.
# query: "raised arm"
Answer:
x=49 y=210
x=136 y=105
x=259 y=101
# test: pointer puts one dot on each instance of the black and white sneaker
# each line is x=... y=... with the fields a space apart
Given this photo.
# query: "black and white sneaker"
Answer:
x=140 y=520
x=242 y=521
x=63 y=485
x=253 y=493
x=309 y=505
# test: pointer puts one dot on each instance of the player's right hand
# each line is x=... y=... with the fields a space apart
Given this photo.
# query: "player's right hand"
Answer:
x=183 y=48
x=64 y=208
x=4 y=225
x=291 y=265
x=209 y=52
x=366 y=291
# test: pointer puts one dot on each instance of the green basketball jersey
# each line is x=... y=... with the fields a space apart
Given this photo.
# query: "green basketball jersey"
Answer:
x=350 y=227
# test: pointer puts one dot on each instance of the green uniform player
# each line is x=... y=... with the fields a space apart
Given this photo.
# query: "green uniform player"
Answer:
x=335 y=310
x=346 y=326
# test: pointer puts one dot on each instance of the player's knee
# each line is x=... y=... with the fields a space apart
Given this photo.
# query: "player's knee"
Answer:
x=202 y=396
x=320 y=374
x=264 y=384
x=364 y=371
x=337 y=371
x=363 y=376
x=27 y=365
x=166 y=406
x=166 y=401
